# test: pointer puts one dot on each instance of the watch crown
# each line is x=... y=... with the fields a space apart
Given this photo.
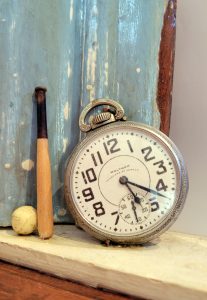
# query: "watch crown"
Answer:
x=102 y=117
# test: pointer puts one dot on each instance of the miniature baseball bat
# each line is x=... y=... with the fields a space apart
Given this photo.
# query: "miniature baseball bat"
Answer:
x=44 y=184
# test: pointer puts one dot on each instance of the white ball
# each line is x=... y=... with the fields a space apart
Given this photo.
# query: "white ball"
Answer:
x=24 y=220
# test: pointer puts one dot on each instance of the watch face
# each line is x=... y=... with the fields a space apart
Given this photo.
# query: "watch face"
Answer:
x=124 y=183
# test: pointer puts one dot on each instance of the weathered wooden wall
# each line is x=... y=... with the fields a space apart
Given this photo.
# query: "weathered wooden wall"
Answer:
x=80 y=50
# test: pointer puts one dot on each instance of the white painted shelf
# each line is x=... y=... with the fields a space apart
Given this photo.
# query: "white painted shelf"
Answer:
x=174 y=267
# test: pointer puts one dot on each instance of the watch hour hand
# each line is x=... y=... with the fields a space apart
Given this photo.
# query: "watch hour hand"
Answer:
x=136 y=198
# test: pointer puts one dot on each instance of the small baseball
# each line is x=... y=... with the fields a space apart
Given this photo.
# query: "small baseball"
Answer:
x=24 y=220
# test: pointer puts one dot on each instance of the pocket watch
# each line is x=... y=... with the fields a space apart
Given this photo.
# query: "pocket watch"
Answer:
x=125 y=182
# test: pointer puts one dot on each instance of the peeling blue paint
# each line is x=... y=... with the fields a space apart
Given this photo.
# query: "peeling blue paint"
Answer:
x=80 y=50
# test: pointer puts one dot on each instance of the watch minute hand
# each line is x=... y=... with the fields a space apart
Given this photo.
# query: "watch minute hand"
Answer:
x=147 y=189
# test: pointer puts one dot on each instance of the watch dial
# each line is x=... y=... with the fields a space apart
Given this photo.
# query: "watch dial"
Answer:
x=124 y=181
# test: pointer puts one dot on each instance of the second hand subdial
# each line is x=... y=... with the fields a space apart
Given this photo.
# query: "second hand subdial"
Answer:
x=132 y=213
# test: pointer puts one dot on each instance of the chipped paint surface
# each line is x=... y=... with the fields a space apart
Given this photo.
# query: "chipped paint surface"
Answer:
x=69 y=70
x=7 y=166
x=118 y=37
x=80 y=50
x=27 y=165
x=62 y=212
x=71 y=10
x=65 y=144
x=66 y=111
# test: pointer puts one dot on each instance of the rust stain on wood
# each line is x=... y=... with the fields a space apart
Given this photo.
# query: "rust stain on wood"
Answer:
x=166 y=65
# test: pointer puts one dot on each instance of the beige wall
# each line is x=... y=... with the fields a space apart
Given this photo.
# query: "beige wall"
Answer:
x=189 y=111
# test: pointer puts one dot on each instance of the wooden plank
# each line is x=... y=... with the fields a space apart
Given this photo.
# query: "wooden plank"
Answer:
x=175 y=267
x=28 y=284
x=80 y=50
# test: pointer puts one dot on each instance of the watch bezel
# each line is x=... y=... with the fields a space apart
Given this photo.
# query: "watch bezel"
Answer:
x=171 y=217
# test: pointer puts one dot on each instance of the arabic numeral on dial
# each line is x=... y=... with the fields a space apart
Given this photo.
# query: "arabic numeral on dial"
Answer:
x=161 y=186
x=88 y=194
x=130 y=146
x=123 y=206
x=111 y=146
x=89 y=175
x=154 y=204
x=117 y=218
x=161 y=167
x=97 y=158
x=99 y=210
x=127 y=216
x=147 y=153
x=145 y=209
x=130 y=197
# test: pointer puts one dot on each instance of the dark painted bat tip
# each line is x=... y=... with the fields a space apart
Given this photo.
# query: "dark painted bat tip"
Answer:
x=40 y=88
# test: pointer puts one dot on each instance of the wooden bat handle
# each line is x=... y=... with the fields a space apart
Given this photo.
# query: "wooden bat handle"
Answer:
x=44 y=183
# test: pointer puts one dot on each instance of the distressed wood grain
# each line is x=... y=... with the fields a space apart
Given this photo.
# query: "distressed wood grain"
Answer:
x=80 y=50
x=28 y=284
